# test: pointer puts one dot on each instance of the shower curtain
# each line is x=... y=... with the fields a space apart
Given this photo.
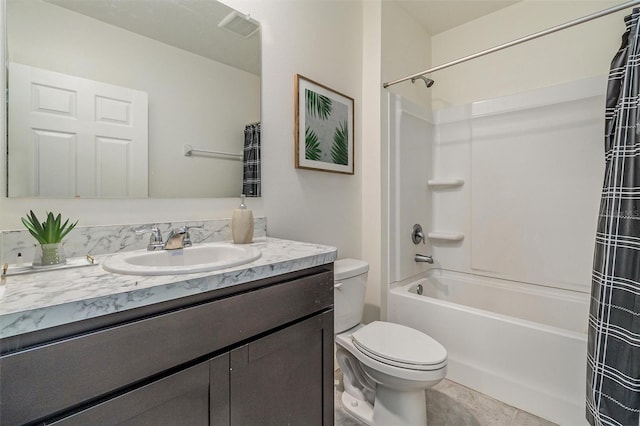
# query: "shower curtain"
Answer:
x=251 y=186
x=613 y=359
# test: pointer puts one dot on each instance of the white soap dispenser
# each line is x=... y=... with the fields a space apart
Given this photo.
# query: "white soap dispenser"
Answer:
x=242 y=224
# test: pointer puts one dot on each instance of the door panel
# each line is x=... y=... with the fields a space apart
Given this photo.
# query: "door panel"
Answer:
x=54 y=169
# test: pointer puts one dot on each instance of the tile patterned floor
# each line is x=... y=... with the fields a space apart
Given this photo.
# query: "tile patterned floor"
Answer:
x=451 y=404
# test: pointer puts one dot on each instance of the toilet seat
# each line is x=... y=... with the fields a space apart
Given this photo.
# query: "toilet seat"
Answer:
x=400 y=346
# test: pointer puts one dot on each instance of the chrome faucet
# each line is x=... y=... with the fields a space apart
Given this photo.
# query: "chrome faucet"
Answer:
x=423 y=258
x=179 y=238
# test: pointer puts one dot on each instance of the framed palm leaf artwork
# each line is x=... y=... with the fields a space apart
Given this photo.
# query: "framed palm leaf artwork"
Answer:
x=324 y=128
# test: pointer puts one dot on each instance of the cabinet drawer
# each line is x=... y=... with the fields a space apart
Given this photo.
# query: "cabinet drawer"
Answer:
x=179 y=399
x=50 y=379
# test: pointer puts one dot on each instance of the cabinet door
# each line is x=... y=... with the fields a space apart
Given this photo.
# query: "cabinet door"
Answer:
x=219 y=391
x=285 y=378
x=179 y=399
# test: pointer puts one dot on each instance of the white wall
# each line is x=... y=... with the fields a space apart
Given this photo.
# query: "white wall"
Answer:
x=406 y=49
x=373 y=202
x=573 y=54
x=192 y=99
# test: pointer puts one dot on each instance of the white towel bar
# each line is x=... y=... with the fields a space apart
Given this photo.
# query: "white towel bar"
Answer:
x=189 y=150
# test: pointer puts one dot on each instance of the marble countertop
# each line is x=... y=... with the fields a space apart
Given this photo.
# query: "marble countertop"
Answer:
x=45 y=299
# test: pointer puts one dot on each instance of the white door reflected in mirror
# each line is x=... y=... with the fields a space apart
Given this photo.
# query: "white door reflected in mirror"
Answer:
x=74 y=137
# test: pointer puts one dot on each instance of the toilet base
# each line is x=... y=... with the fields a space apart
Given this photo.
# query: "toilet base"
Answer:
x=390 y=408
x=393 y=407
x=357 y=408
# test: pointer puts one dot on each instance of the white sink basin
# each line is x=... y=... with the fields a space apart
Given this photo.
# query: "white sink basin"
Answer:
x=199 y=258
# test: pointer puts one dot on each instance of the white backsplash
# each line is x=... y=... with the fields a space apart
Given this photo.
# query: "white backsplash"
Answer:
x=105 y=239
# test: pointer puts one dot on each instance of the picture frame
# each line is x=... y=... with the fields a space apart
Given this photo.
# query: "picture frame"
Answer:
x=324 y=128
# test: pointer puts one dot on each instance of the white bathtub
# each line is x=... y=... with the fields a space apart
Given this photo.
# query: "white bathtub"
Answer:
x=522 y=344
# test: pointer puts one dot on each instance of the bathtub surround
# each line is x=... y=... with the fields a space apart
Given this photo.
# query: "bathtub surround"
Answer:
x=499 y=153
x=105 y=239
x=525 y=201
x=613 y=367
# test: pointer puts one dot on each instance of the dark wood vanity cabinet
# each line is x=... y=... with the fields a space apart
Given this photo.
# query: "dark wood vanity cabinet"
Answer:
x=260 y=353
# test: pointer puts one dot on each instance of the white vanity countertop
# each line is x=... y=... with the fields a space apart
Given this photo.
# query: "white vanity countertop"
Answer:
x=37 y=301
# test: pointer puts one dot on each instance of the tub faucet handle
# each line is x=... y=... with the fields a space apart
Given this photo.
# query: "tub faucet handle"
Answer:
x=423 y=258
x=417 y=234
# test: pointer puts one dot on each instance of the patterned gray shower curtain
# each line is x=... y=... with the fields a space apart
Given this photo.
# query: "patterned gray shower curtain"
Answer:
x=251 y=182
x=613 y=358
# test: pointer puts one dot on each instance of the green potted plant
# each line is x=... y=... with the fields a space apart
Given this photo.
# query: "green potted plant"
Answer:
x=49 y=234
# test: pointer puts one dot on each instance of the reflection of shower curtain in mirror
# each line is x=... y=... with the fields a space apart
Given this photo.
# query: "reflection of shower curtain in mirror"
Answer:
x=613 y=360
x=251 y=186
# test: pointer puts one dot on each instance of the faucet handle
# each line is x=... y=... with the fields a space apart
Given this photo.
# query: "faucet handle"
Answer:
x=187 y=238
x=155 y=240
x=417 y=234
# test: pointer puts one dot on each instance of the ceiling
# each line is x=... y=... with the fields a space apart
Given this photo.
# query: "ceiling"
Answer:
x=191 y=22
x=194 y=26
x=437 y=16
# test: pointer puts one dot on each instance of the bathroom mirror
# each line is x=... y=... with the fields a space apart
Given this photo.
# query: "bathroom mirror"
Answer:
x=110 y=94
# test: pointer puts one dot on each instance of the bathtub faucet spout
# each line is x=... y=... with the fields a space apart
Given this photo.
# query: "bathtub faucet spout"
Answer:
x=423 y=258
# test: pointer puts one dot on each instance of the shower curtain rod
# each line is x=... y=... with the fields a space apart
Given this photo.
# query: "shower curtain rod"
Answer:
x=533 y=36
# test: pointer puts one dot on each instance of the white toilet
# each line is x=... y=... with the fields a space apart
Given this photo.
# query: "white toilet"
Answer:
x=386 y=367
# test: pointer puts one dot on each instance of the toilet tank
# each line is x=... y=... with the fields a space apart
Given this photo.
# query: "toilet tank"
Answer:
x=350 y=284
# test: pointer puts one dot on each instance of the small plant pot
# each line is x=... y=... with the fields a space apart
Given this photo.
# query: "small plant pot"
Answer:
x=49 y=255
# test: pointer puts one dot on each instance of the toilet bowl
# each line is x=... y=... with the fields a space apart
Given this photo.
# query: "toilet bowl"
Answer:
x=386 y=367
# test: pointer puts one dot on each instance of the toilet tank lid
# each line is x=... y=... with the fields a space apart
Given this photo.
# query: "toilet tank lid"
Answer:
x=349 y=268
